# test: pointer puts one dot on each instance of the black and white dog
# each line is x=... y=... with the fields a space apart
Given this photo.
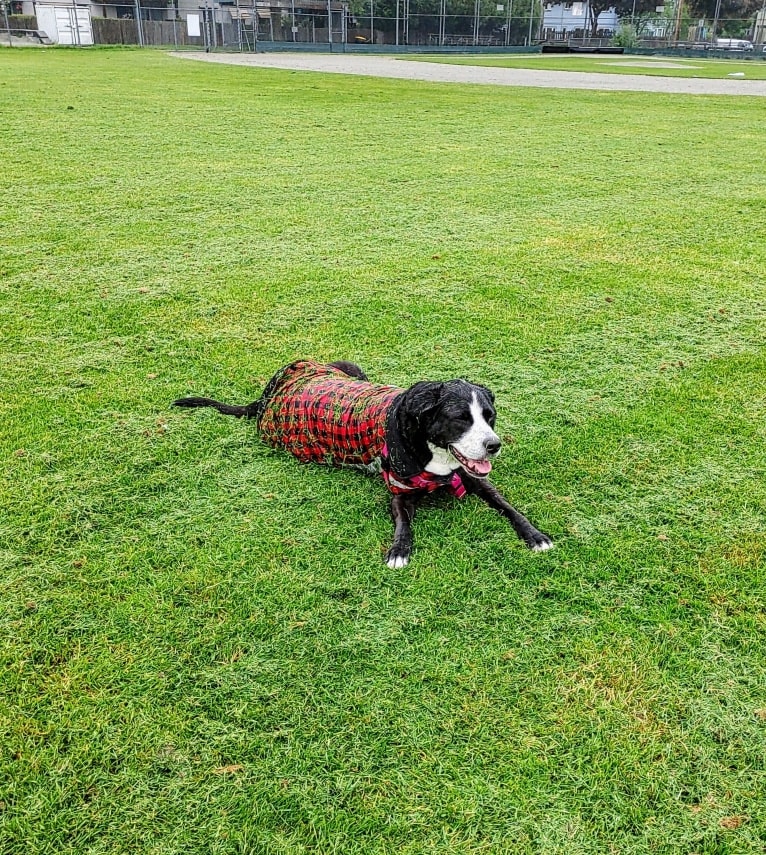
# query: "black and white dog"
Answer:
x=427 y=437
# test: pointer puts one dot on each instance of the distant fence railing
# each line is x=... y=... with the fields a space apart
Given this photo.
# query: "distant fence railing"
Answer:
x=493 y=25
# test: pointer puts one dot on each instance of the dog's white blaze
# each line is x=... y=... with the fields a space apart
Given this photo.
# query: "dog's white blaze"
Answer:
x=472 y=444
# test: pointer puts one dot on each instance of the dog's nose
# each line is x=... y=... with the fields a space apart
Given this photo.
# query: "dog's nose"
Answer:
x=492 y=446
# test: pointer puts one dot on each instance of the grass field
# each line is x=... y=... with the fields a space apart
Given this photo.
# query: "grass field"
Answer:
x=202 y=650
x=658 y=66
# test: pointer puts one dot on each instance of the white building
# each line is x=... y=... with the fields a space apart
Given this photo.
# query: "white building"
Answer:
x=560 y=20
x=97 y=10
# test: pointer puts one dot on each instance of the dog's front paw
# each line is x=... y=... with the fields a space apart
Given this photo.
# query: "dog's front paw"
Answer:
x=538 y=542
x=397 y=557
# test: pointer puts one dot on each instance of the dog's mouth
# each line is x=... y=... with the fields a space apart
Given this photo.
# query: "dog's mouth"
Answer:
x=477 y=468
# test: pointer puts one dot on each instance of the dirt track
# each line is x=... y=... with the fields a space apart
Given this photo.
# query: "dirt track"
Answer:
x=388 y=66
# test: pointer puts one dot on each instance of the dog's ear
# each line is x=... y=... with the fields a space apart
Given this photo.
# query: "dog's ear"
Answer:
x=418 y=403
x=424 y=397
x=407 y=427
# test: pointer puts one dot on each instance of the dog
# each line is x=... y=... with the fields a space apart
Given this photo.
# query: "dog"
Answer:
x=428 y=437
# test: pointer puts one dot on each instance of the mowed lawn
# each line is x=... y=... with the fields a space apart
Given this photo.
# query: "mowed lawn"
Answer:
x=202 y=650
x=657 y=66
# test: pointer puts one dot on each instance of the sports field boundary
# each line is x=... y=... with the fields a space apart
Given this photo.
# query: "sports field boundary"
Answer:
x=434 y=72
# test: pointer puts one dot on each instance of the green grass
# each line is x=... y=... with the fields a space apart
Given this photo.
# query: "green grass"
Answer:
x=656 y=66
x=202 y=650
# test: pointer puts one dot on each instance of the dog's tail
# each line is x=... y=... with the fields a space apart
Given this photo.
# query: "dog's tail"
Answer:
x=247 y=412
x=255 y=410
x=350 y=368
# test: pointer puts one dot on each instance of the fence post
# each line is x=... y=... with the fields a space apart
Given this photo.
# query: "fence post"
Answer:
x=677 y=25
x=714 y=31
x=529 y=37
x=7 y=25
x=139 y=28
x=442 y=21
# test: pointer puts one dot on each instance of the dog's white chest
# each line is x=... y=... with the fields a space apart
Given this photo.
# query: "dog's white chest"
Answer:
x=442 y=462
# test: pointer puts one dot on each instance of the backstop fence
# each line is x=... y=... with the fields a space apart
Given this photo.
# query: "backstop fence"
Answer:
x=407 y=24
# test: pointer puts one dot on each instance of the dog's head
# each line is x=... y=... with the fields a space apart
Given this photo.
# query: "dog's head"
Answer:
x=453 y=423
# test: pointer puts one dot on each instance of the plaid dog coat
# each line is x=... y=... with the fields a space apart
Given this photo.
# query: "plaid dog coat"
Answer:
x=321 y=415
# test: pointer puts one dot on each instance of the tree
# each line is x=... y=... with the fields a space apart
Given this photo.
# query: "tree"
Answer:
x=729 y=8
x=624 y=9
x=731 y=12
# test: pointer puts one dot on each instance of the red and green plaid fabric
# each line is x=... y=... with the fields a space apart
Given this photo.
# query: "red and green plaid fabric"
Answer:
x=321 y=415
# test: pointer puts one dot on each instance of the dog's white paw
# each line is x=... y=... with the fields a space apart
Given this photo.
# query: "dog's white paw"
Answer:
x=396 y=562
x=538 y=541
x=544 y=546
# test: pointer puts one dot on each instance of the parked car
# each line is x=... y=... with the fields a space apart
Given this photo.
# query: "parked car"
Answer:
x=733 y=44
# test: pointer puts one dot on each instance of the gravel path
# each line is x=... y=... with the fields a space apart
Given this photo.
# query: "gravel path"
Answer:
x=388 y=66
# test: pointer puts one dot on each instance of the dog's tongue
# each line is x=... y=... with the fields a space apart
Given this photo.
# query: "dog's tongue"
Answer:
x=480 y=467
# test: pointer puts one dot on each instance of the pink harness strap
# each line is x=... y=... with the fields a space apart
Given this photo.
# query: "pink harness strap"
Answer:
x=422 y=481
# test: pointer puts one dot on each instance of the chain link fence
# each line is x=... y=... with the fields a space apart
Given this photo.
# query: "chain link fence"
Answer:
x=406 y=24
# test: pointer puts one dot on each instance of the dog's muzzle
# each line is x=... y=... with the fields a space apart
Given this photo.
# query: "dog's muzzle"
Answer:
x=477 y=468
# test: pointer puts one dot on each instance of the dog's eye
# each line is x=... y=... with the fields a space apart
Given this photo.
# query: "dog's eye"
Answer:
x=489 y=416
x=459 y=416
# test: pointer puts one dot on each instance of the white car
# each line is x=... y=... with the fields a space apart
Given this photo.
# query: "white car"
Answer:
x=733 y=44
